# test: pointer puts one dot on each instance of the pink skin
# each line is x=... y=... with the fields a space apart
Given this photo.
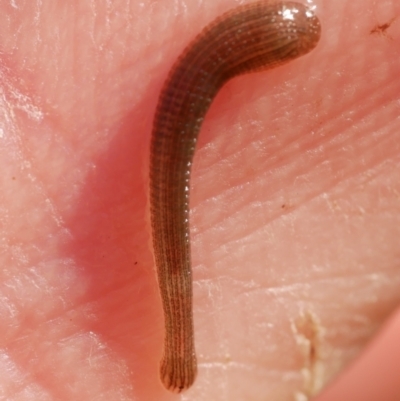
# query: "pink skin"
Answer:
x=295 y=206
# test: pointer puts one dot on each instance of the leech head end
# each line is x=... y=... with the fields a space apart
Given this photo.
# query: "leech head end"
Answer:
x=306 y=28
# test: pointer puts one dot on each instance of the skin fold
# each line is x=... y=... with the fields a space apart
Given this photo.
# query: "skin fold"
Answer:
x=295 y=205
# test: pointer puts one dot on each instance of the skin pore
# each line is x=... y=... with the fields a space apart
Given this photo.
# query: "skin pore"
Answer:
x=295 y=204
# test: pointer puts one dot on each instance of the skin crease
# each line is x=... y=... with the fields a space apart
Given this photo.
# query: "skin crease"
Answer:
x=79 y=308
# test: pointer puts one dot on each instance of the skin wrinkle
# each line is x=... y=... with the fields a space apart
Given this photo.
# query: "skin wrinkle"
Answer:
x=244 y=205
x=293 y=287
x=323 y=141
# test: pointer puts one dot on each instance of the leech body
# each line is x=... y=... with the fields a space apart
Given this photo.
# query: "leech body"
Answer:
x=250 y=38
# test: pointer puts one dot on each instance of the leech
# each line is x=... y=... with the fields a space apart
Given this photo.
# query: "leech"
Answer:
x=249 y=38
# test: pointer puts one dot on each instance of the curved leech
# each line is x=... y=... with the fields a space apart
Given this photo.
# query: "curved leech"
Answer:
x=249 y=38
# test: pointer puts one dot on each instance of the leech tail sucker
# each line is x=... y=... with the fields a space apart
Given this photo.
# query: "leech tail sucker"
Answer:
x=249 y=38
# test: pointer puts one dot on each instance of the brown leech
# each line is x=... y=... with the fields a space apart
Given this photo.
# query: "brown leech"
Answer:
x=249 y=38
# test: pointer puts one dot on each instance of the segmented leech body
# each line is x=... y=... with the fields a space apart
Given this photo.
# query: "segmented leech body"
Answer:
x=249 y=38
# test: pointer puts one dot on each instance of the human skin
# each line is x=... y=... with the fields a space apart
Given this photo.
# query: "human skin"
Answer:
x=295 y=204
